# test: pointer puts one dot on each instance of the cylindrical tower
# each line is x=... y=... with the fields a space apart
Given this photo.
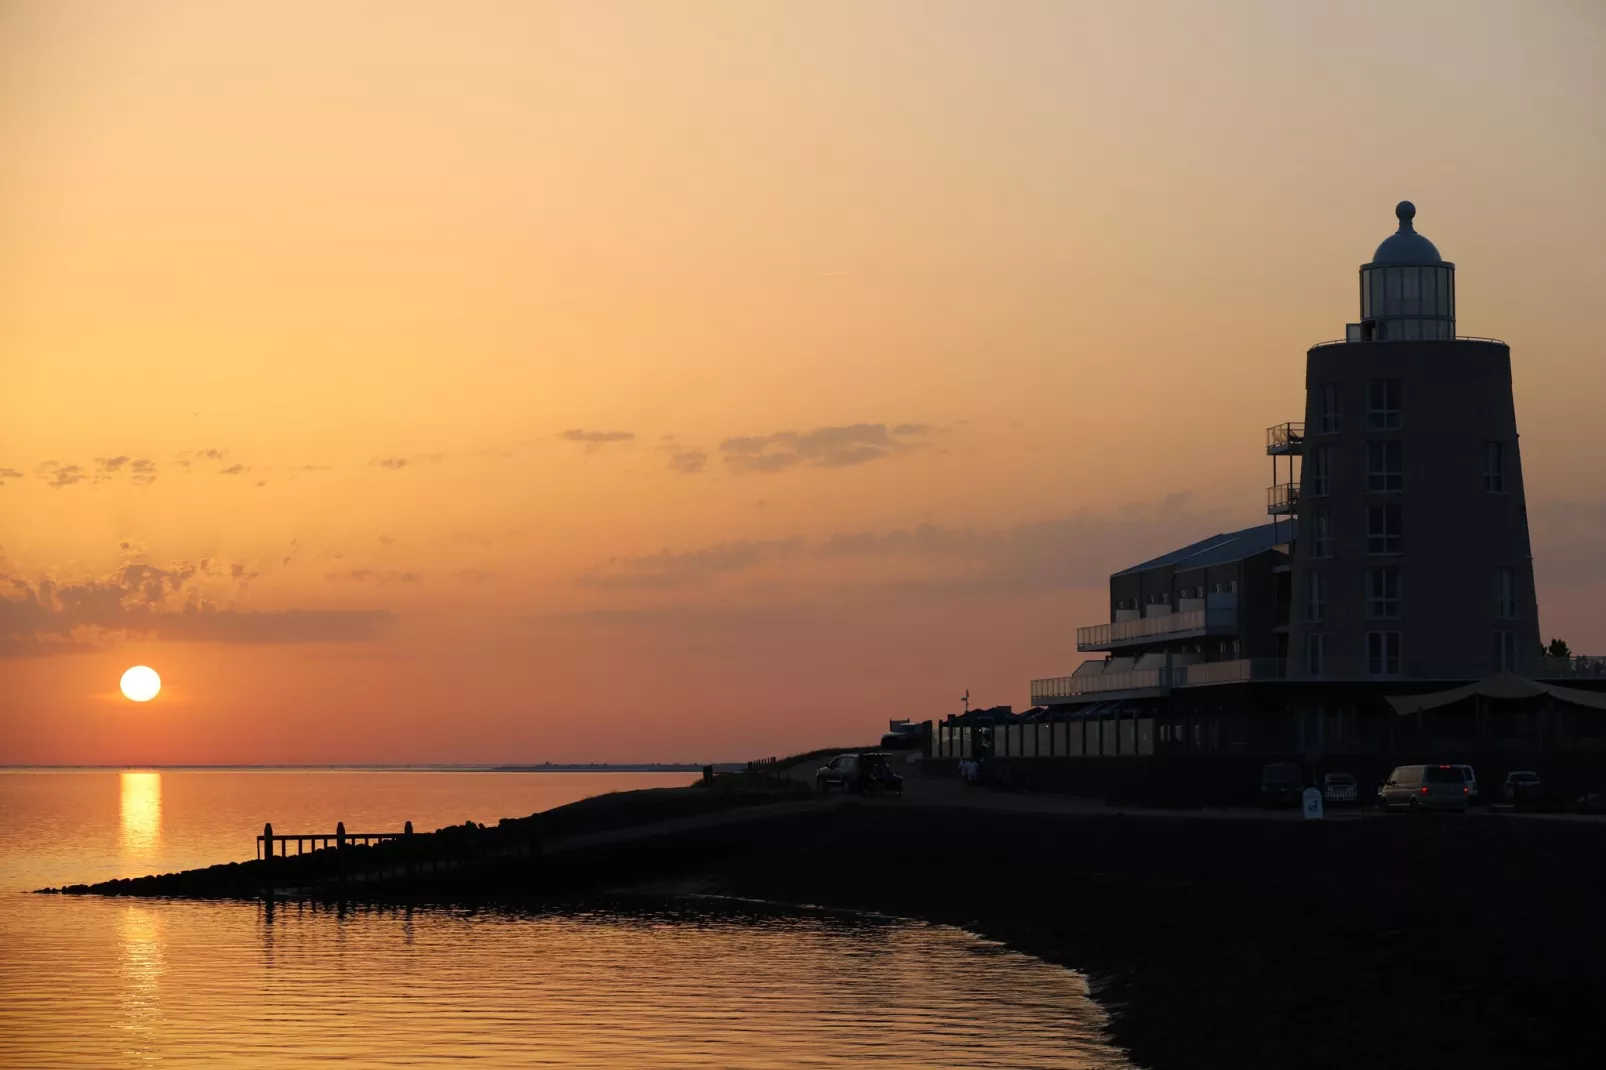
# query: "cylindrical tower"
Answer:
x=1411 y=558
x=1407 y=291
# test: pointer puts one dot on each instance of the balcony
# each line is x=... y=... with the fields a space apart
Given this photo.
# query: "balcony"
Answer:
x=1062 y=688
x=1188 y=624
x=1285 y=440
x=1282 y=499
x=1124 y=678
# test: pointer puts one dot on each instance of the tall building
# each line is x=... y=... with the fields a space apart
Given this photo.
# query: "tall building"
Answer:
x=1413 y=558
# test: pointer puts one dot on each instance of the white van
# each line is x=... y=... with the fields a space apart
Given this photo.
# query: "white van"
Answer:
x=1424 y=787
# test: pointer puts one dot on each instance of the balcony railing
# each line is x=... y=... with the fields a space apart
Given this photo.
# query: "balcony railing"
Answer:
x=1060 y=688
x=1117 y=633
x=1285 y=439
x=1578 y=667
x=1282 y=499
x=1358 y=342
x=1200 y=674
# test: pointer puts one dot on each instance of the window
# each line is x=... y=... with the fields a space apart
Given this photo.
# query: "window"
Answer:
x=1505 y=651
x=1316 y=654
x=1383 y=405
x=1383 y=593
x=1321 y=541
x=1313 y=596
x=1383 y=653
x=1494 y=467
x=1320 y=467
x=1505 y=593
x=1383 y=530
x=1383 y=467
x=1327 y=410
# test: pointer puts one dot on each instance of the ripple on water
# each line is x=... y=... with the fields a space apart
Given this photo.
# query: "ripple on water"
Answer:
x=115 y=983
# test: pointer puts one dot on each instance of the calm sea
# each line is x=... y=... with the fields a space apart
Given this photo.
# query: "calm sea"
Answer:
x=89 y=982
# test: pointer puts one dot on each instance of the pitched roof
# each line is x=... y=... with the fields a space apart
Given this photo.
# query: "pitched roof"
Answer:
x=1220 y=549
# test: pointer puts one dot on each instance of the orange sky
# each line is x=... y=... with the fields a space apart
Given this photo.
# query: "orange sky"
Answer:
x=483 y=382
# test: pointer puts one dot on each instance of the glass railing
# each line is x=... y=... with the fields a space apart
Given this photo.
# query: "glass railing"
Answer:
x=1059 y=688
x=1099 y=636
x=1285 y=438
x=1282 y=498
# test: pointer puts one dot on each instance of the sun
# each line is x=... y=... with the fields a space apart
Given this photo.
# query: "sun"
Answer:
x=141 y=683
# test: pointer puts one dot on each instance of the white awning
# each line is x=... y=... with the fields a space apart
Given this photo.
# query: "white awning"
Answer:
x=1505 y=686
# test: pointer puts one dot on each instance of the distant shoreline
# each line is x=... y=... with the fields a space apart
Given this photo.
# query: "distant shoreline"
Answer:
x=547 y=767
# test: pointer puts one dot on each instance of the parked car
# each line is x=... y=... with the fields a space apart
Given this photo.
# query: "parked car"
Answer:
x=1423 y=787
x=1592 y=802
x=869 y=773
x=1281 y=784
x=1472 y=783
x=1339 y=788
x=1521 y=786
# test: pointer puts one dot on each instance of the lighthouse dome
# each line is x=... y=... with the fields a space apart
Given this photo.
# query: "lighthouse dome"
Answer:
x=1406 y=246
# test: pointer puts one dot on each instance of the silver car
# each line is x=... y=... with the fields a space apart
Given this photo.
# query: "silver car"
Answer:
x=1416 y=788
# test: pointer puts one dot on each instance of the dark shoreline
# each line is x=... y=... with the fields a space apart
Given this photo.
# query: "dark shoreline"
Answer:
x=1456 y=941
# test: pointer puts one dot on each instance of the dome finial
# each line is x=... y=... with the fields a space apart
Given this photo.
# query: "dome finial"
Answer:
x=1405 y=211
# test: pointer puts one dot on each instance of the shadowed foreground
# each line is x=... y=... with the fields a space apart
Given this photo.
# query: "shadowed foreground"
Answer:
x=1472 y=942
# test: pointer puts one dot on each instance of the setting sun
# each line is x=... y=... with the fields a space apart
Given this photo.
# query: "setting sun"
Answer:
x=141 y=683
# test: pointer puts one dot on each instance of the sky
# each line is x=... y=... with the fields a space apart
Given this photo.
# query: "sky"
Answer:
x=706 y=381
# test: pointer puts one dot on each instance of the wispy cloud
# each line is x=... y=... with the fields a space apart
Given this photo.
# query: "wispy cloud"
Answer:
x=823 y=447
x=594 y=441
x=61 y=475
x=233 y=470
x=45 y=615
x=369 y=575
x=687 y=462
x=689 y=568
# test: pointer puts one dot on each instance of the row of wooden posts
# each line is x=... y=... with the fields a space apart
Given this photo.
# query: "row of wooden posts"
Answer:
x=338 y=839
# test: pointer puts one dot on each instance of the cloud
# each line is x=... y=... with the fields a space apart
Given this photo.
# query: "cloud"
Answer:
x=1077 y=551
x=368 y=575
x=595 y=440
x=387 y=539
x=688 y=569
x=44 y=616
x=61 y=475
x=233 y=470
x=142 y=470
x=394 y=463
x=823 y=447
x=687 y=462
x=472 y=575
x=8 y=473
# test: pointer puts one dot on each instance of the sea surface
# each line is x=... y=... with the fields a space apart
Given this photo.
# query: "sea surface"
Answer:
x=113 y=983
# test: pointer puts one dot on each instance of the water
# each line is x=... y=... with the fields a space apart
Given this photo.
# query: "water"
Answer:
x=106 y=983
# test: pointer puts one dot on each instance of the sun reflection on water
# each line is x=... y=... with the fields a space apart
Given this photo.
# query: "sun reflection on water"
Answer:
x=140 y=832
x=142 y=963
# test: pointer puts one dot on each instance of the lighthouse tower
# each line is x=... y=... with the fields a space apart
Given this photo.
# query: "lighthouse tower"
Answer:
x=1412 y=557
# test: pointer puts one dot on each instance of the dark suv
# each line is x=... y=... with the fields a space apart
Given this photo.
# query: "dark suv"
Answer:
x=1281 y=784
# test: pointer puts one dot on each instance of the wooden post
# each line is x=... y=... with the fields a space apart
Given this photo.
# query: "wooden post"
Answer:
x=267 y=842
x=340 y=835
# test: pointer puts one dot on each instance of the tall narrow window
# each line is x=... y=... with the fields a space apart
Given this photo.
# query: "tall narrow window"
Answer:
x=1321 y=539
x=1316 y=654
x=1494 y=467
x=1384 y=534
x=1505 y=593
x=1327 y=409
x=1384 y=468
x=1383 y=405
x=1383 y=592
x=1505 y=652
x=1320 y=467
x=1313 y=596
x=1383 y=653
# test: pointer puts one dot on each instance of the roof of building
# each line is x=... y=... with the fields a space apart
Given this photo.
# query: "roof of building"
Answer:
x=1406 y=246
x=1220 y=549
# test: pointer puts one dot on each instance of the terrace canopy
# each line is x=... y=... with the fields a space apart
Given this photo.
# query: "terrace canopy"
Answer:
x=1506 y=686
